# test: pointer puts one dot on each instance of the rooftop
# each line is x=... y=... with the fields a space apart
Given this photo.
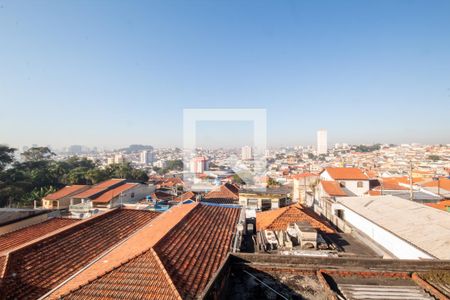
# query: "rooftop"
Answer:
x=346 y=174
x=115 y=192
x=27 y=234
x=99 y=188
x=65 y=191
x=142 y=277
x=186 y=196
x=403 y=218
x=262 y=276
x=179 y=265
x=333 y=188
x=195 y=248
x=36 y=268
x=227 y=190
x=279 y=219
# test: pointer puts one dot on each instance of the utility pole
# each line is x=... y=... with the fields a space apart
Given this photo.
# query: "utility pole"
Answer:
x=439 y=186
x=381 y=186
x=304 y=187
x=411 y=195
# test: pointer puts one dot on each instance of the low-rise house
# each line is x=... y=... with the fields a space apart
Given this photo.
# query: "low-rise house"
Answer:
x=112 y=193
x=400 y=187
x=270 y=198
x=185 y=198
x=352 y=179
x=291 y=229
x=125 y=193
x=406 y=229
x=439 y=186
x=225 y=194
x=96 y=190
x=61 y=198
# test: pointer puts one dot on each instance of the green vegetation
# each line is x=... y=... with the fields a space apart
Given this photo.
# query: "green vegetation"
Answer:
x=238 y=180
x=272 y=182
x=365 y=148
x=38 y=174
x=434 y=157
x=172 y=165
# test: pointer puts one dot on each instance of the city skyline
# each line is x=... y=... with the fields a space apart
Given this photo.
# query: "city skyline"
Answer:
x=137 y=66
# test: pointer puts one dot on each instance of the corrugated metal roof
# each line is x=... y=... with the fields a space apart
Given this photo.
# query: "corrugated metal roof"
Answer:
x=423 y=226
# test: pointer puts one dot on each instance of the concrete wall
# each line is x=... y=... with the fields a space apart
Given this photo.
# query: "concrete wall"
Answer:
x=352 y=185
x=28 y=222
x=298 y=188
x=133 y=195
x=275 y=202
x=397 y=246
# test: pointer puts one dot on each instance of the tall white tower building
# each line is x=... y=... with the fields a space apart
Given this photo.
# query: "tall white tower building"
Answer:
x=146 y=157
x=322 y=143
x=246 y=153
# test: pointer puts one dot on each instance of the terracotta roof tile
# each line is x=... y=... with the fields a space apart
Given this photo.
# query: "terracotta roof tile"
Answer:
x=333 y=188
x=444 y=183
x=27 y=234
x=194 y=249
x=65 y=191
x=186 y=196
x=220 y=200
x=442 y=205
x=101 y=187
x=37 y=268
x=2 y=266
x=224 y=191
x=346 y=173
x=144 y=239
x=279 y=219
x=143 y=277
x=115 y=192
x=303 y=175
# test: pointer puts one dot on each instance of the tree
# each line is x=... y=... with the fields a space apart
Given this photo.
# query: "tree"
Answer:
x=39 y=173
x=434 y=157
x=37 y=154
x=96 y=175
x=36 y=194
x=272 y=182
x=77 y=176
x=6 y=156
x=238 y=180
x=175 y=165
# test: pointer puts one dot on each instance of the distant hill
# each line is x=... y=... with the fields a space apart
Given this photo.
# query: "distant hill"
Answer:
x=136 y=148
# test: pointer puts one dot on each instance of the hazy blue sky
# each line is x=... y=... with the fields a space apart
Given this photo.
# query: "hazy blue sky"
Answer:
x=118 y=72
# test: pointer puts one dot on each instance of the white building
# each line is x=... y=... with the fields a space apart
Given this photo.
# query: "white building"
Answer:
x=246 y=153
x=352 y=179
x=160 y=164
x=322 y=142
x=406 y=229
x=199 y=164
x=146 y=157
x=119 y=159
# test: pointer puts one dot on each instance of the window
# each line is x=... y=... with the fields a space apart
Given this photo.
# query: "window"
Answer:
x=340 y=213
x=360 y=184
x=55 y=204
x=252 y=203
x=132 y=195
x=266 y=204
